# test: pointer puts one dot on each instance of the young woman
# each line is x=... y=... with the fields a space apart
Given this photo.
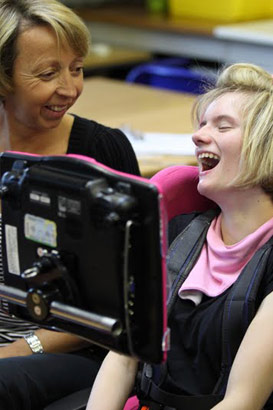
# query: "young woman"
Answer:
x=42 y=47
x=234 y=150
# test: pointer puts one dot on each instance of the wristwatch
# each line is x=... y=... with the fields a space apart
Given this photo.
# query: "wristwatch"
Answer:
x=34 y=343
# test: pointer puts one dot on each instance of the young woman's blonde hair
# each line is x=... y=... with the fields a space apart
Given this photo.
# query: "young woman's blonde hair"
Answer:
x=256 y=166
x=17 y=15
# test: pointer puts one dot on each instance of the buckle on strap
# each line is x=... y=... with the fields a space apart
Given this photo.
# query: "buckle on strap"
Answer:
x=146 y=379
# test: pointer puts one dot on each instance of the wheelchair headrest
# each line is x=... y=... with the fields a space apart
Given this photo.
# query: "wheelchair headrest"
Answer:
x=179 y=186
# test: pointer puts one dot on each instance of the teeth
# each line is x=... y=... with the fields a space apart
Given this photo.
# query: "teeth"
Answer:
x=56 y=108
x=208 y=155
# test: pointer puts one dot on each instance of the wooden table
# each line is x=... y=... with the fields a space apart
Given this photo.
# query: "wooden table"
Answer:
x=117 y=104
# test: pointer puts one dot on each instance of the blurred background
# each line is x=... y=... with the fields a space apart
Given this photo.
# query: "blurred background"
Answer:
x=150 y=58
x=207 y=33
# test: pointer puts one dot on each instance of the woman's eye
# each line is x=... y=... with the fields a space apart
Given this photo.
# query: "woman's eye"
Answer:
x=78 y=70
x=48 y=75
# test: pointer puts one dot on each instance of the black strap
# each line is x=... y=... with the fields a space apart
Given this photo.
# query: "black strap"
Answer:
x=184 y=251
x=178 y=401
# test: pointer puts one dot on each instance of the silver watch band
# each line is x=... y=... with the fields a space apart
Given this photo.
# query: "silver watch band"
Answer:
x=34 y=343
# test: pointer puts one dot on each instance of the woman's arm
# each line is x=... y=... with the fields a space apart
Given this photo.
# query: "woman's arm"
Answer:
x=251 y=378
x=113 y=383
x=52 y=342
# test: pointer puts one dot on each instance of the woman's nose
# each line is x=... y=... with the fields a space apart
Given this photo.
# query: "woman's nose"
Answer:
x=68 y=86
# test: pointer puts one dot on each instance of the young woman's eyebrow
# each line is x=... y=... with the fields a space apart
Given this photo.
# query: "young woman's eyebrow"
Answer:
x=218 y=119
x=227 y=118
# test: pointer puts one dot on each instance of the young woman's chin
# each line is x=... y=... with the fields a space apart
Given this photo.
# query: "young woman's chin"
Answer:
x=209 y=191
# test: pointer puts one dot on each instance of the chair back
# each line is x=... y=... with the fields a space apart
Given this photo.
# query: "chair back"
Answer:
x=179 y=187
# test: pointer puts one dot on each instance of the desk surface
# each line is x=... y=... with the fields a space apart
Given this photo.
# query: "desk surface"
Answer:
x=117 y=104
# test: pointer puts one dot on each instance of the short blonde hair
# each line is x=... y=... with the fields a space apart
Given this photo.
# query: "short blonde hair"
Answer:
x=256 y=165
x=17 y=15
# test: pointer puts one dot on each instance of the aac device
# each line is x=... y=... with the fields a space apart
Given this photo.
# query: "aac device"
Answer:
x=84 y=251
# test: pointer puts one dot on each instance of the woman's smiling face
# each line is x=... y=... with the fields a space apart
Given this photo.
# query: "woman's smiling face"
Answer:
x=218 y=145
x=47 y=81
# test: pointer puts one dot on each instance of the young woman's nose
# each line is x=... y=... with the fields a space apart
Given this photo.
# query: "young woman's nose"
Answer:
x=201 y=136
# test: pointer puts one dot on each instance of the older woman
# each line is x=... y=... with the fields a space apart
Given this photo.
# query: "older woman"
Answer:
x=234 y=149
x=42 y=48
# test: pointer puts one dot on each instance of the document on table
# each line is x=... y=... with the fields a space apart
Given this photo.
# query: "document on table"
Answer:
x=154 y=143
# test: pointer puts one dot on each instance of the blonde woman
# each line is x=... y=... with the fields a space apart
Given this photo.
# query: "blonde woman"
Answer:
x=234 y=150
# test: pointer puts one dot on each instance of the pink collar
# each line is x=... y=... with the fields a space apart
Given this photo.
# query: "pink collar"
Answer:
x=219 y=265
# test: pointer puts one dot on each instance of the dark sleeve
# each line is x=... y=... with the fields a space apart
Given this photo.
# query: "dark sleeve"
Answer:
x=106 y=145
x=115 y=150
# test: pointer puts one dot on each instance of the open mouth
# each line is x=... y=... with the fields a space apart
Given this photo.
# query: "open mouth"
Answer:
x=208 y=160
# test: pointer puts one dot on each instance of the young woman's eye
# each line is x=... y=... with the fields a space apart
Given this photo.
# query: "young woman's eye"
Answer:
x=224 y=128
x=202 y=124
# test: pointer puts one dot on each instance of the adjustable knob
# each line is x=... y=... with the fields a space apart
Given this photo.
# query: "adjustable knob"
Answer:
x=38 y=302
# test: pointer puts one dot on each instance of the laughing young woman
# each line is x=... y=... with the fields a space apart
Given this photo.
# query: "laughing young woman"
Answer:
x=234 y=149
x=42 y=47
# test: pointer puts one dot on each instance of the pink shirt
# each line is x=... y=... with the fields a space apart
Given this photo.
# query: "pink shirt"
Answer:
x=219 y=265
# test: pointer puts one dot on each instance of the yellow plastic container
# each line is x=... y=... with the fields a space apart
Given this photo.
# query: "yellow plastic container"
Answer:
x=221 y=10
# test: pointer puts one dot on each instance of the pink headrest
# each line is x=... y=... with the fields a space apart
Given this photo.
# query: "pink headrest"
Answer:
x=179 y=187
